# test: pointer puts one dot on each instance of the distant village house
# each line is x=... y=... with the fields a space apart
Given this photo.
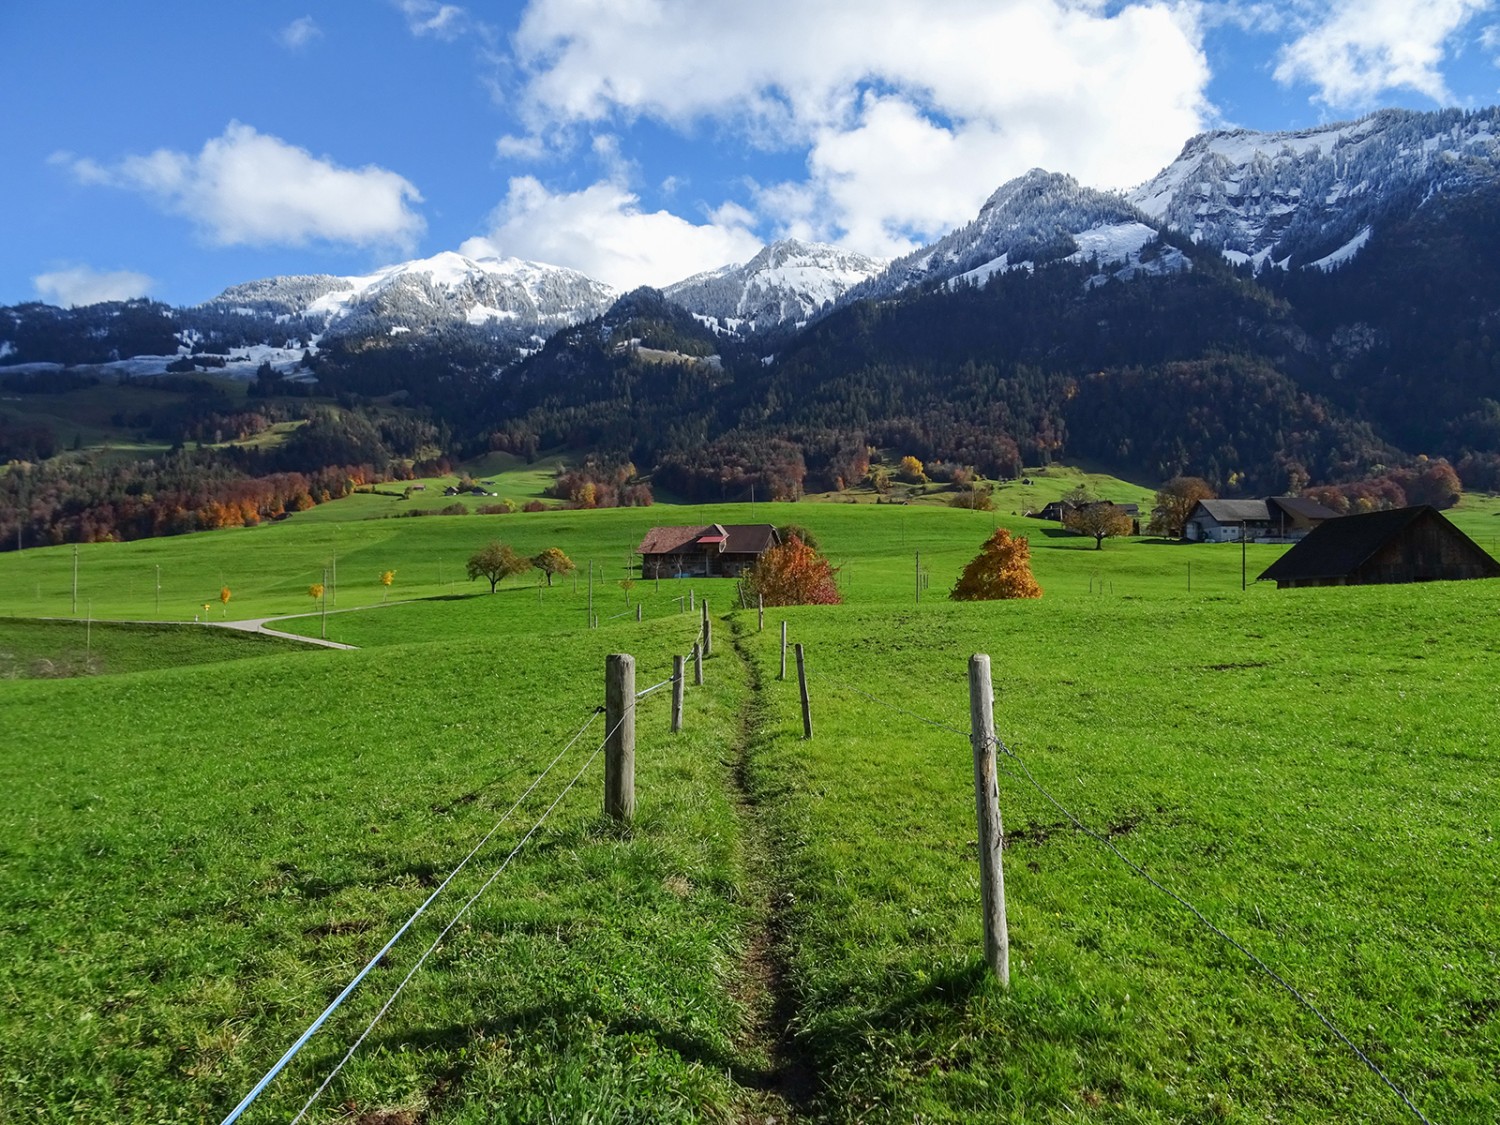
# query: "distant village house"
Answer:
x=1274 y=519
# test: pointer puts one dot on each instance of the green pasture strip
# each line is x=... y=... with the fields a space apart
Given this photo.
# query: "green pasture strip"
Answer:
x=1318 y=771
x=269 y=569
x=194 y=862
x=43 y=649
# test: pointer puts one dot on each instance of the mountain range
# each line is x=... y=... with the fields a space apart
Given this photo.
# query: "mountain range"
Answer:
x=1344 y=274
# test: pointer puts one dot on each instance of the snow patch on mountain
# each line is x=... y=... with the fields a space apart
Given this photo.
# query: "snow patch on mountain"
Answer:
x=1304 y=198
x=430 y=294
x=788 y=281
x=1035 y=219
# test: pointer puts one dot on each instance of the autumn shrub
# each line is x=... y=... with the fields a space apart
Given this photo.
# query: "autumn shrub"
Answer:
x=1002 y=569
x=791 y=574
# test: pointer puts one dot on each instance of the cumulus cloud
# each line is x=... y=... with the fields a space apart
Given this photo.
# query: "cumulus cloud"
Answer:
x=299 y=33
x=910 y=114
x=602 y=231
x=84 y=285
x=247 y=188
x=1363 y=48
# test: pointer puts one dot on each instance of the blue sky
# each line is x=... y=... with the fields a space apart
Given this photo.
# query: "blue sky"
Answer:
x=174 y=148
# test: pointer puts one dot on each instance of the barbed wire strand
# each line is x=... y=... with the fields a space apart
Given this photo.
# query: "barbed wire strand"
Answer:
x=462 y=910
x=1265 y=968
x=291 y=1051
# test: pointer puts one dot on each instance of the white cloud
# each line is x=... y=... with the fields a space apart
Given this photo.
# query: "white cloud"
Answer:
x=250 y=189
x=299 y=33
x=1363 y=48
x=911 y=114
x=602 y=231
x=84 y=285
x=428 y=17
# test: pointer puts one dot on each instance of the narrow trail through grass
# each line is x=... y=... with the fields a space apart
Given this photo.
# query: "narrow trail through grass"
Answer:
x=785 y=1085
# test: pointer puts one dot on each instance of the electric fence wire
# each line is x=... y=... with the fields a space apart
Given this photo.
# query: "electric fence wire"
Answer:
x=668 y=682
x=462 y=910
x=291 y=1051
x=1265 y=968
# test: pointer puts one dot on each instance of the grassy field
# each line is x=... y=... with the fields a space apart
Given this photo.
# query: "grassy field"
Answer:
x=201 y=846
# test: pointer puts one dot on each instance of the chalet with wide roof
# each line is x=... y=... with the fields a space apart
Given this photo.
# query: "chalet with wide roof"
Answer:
x=713 y=550
x=1276 y=518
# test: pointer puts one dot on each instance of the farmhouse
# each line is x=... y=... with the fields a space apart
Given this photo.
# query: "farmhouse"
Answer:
x=1276 y=518
x=1400 y=545
x=1058 y=510
x=712 y=551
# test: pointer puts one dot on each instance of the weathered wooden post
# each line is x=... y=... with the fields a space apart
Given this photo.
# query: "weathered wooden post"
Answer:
x=783 y=652
x=619 y=747
x=637 y=613
x=697 y=664
x=679 y=675
x=802 y=688
x=987 y=812
x=690 y=601
x=760 y=613
x=708 y=631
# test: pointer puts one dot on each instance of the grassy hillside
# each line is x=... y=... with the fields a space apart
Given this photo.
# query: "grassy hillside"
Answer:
x=201 y=848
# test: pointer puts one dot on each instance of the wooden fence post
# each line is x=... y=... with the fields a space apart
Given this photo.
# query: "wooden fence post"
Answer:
x=802 y=688
x=697 y=664
x=783 y=652
x=708 y=631
x=638 y=613
x=987 y=812
x=760 y=613
x=679 y=675
x=619 y=747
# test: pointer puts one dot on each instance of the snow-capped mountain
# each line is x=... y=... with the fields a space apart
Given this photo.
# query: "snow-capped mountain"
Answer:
x=787 y=281
x=1313 y=198
x=1036 y=218
x=518 y=298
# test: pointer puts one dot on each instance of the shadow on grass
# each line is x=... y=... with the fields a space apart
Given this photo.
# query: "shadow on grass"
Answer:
x=922 y=1010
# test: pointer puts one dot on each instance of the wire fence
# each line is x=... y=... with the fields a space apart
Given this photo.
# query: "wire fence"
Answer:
x=1026 y=777
x=349 y=989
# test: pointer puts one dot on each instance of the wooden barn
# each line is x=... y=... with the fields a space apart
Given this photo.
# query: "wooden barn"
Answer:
x=712 y=551
x=1400 y=545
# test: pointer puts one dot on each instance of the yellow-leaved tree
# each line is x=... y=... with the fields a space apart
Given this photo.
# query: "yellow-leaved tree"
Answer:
x=1002 y=569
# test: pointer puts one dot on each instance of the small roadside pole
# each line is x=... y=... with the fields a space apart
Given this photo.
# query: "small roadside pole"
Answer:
x=591 y=593
x=1242 y=554
x=760 y=613
x=619 y=748
x=987 y=810
x=783 y=652
x=697 y=664
x=325 y=604
x=708 y=631
x=919 y=577
x=637 y=613
x=679 y=675
x=802 y=690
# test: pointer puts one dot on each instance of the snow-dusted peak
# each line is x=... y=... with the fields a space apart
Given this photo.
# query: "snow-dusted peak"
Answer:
x=1310 y=193
x=788 y=280
x=1036 y=218
x=428 y=293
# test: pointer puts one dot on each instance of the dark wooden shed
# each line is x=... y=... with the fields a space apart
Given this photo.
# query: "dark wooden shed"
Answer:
x=1401 y=545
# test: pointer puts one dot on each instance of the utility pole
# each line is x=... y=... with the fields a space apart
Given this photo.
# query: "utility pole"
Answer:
x=75 y=579
x=1242 y=554
x=158 y=590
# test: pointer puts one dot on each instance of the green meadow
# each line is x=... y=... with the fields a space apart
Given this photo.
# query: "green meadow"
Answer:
x=205 y=834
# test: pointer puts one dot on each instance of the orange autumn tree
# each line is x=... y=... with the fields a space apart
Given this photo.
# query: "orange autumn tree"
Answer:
x=791 y=574
x=1002 y=569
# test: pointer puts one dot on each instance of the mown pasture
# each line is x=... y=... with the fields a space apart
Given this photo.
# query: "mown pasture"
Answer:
x=199 y=853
